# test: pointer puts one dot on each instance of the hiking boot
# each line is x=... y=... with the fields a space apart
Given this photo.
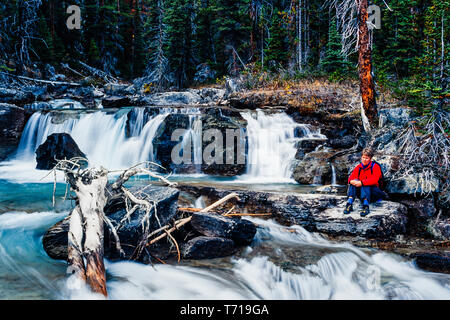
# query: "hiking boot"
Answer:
x=348 y=208
x=365 y=211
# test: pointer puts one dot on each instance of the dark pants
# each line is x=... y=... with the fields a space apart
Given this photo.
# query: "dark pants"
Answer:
x=371 y=193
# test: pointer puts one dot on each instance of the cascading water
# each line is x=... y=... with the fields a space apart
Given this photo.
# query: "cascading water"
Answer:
x=272 y=142
x=101 y=136
x=281 y=263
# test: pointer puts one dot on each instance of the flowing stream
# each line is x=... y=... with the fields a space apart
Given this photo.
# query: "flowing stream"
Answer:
x=281 y=263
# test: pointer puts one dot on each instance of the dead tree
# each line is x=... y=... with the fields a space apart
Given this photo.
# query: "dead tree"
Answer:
x=367 y=85
x=86 y=234
x=352 y=16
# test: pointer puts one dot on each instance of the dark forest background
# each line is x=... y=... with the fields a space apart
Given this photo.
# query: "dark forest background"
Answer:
x=183 y=43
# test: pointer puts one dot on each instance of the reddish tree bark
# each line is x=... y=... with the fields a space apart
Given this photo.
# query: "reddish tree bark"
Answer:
x=367 y=86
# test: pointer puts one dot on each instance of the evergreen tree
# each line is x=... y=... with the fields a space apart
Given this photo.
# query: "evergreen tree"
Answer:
x=233 y=28
x=155 y=32
x=334 y=60
x=180 y=41
x=277 y=44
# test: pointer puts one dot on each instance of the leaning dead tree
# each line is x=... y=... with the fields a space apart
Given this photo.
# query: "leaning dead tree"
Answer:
x=86 y=234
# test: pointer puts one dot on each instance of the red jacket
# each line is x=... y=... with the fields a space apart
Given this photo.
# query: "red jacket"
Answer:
x=366 y=176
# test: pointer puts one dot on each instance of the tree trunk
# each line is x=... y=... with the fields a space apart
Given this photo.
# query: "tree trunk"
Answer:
x=300 y=52
x=87 y=223
x=367 y=87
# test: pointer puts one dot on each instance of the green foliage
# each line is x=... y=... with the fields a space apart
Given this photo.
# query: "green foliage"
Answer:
x=334 y=61
x=258 y=38
x=277 y=53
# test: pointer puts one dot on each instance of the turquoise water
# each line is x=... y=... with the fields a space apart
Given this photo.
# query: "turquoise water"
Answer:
x=32 y=197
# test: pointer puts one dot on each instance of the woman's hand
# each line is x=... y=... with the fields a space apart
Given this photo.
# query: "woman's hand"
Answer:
x=356 y=183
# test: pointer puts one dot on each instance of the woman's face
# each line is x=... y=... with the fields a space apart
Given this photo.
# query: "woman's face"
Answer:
x=365 y=160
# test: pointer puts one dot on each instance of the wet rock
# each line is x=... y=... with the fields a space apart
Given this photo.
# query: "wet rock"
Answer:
x=12 y=123
x=115 y=102
x=316 y=212
x=241 y=231
x=57 y=146
x=396 y=116
x=432 y=261
x=163 y=144
x=231 y=135
x=37 y=105
x=136 y=115
x=55 y=240
x=220 y=122
x=314 y=168
x=207 y=248
x=307 y=145
x=174 y=98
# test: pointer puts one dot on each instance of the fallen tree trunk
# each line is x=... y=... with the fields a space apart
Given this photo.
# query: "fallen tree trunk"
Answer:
x=63 y=83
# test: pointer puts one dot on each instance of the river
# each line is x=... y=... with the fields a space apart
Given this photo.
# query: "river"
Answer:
x=281 y=262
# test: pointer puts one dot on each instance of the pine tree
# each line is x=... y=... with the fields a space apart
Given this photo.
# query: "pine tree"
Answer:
x=180 y=41
x=155 y=33
x=334 y=60
x=277 y=44
x=233 y=27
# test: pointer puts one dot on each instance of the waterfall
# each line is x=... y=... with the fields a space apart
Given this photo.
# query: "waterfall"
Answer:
x=100 y=135
x=272 y=140
x=193 y=139
x=333 y=175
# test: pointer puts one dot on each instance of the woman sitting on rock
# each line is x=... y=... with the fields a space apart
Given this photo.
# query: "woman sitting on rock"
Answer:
x=364 y=182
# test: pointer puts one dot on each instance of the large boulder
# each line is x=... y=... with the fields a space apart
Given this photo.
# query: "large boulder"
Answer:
x=12 y=123
x=203 y=247
x=314 y=168
x=241 y=231
x=220 y=122
x=229 y=125
x=316 y=212
x=57 y=146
